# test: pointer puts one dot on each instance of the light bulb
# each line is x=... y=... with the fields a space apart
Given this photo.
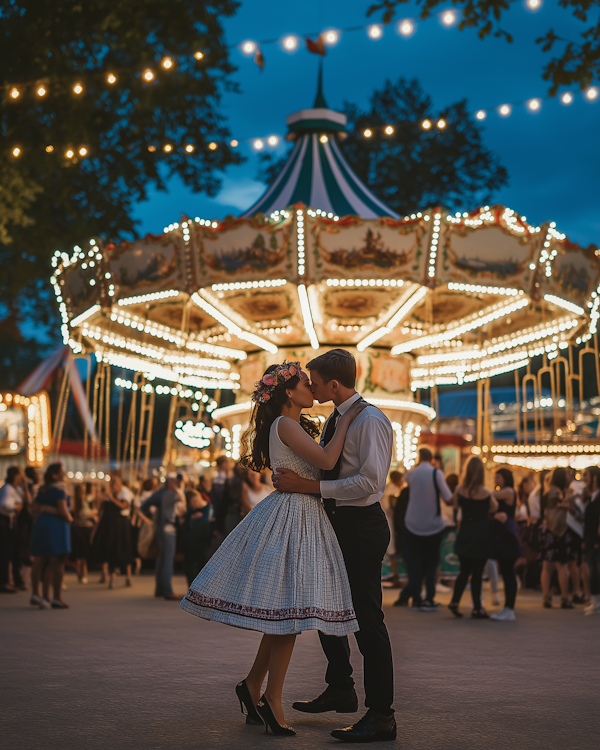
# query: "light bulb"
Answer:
x=14 y=93
x=290 y=42
x=167 y=63
x=389 y=130
x=406 y=28
x=504 y=110
x=152 y=149
x=212 y=146
x=426 y=124
x=189 y=148
x=69 y=154
x=258 y=144
x=448 y=18
x=367 y=133
x=481 y=114
x=323 y=139
x=16 y=151
x=41 y=91
x=83 y=151
x=534 y=105
x=566 y=98
x=49 y=149
x=375 y=32
x=148 y=75
x=441 y=124
x=272 y=140
x=198 y=55
x=111 y=78
x=167 y=148
x=331 y=37
x=591 y=93
x=534 y=4
x=234 y=143
x=249 y=47
x=77 y=88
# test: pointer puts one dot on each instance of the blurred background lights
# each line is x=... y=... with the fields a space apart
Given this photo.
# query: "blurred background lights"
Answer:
x=212 y=146
x=148 y=75
x=323 y=139
x=189 y=148
x=534 y=105
x=234 y=143
x=290 y=42
x=331 y=37
x=591 y=93
x=111 y=78
x=198 y=55
x=504 y=110
x=375 y=32
x=16 y=151
x=566 y=98
x=534 y=4
x=41 y=91
x=14 y=93
x=406 y=28
x=426 y=124
x=273 y=140
x=448 y=18
x=441 y=123
x=258 y=144
x=167 y=63
x=83 y=151
x=389 y=130
x=480 y=115
x=367 y=133
x=77 y=88
x=249 y=47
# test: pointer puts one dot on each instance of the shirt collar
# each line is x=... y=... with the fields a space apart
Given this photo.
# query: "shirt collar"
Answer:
x=345 y=405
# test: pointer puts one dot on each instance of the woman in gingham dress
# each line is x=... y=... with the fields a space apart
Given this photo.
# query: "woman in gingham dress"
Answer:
x=281 y=570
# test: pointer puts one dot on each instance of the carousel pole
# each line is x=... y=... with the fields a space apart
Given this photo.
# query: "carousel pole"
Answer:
x=169 y=440
x=118 y=462
x=61 y=410
x=107 y=417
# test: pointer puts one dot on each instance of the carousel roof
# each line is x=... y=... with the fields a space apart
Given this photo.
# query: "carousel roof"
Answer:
x=316 y=173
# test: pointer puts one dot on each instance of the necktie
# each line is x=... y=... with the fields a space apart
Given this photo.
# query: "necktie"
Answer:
x=329 y=432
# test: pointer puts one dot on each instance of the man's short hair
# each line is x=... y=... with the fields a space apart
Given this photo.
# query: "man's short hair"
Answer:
x=336 y=364
x=425 y=454
x=12 y=473
x=396 y=476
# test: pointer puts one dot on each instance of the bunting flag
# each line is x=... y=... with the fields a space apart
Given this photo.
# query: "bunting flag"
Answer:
x=317 y=47
x=259 y=59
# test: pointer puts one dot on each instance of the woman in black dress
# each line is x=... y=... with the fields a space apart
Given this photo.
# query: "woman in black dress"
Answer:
x=472 y=542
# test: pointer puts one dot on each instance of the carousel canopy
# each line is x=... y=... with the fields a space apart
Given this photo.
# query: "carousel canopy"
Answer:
x=316 y=172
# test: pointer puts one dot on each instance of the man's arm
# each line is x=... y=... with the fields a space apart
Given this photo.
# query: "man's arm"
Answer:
x=375 y=441
x=287 y=480
x=445 y=491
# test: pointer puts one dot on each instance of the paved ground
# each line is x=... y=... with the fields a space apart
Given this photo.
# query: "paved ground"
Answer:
x=122 y=670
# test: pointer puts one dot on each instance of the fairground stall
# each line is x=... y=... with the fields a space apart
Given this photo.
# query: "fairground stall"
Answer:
x=425 y=300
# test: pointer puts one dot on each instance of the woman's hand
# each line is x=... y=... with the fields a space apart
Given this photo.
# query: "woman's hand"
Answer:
x=502 y=517
x=353 y=412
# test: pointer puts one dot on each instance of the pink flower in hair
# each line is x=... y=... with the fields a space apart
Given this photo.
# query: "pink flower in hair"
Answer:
x=285 y=374
x=293 y=370
x=268 y=379
x=265 y=397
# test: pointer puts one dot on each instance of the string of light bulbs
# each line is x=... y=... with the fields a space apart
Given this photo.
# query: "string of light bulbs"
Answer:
x=534 y=106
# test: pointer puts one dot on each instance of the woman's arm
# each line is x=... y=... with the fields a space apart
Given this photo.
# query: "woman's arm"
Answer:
x=63 y=511
x=454 y=498
x=294 y=436
x=122 y=504
x=493 y=503
x=506 y=493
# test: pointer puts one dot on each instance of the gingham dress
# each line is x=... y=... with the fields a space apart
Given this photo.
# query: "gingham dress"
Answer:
x=281 y=570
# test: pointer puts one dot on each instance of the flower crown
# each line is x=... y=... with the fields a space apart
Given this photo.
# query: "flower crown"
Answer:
x=271 y=380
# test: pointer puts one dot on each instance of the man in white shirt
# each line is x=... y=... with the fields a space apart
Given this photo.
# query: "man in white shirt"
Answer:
x=11 y=502
x=424 y=527
x=351 y=493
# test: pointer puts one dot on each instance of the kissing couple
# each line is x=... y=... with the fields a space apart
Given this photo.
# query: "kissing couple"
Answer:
x=308 y=556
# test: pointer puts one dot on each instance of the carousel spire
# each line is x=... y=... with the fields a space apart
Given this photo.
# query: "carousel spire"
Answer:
x=316 y=173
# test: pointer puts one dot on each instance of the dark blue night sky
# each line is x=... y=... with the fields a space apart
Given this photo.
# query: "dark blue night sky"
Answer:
x=553 y=156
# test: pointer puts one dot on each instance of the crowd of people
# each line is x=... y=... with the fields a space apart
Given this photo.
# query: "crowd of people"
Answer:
x=543 y=533
x=48 y=523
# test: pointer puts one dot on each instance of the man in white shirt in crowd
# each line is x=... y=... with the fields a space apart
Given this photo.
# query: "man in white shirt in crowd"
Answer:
x=424 y=527
x=11 y=501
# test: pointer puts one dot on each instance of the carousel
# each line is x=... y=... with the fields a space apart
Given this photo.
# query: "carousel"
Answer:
x=425 y=300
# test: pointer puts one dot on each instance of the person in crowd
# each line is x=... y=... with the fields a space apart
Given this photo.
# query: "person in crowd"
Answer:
x=197 y=532
x=399 y=516
x=25 y=521
x=50 y=539
x=388 y=504
x=591 y=537
x=578 y=572
x=531 y=533
x=556 y=538
x=170 y=504
x=139 y=520
x=473 y=539
x=506 y=547
x=526 y=487
x=84 y=518
x=424 y=528
x=450 y=565
x=253 y=490
x=12 y=496
x=226 y=494
x=117 y=509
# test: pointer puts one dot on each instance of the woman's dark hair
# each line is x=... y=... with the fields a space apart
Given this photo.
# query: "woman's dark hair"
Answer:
x=507 y=475
x=50 y=474
x=474 y=476
x=79 y=499
x=255 y=440
x=12 y=473
x=593 y=471
x=560 y=478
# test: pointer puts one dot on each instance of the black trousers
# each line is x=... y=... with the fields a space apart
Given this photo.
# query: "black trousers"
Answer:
x=9 y=551
x=507 y=571
x=469 y=566
x=421 y=555
x=363 y=534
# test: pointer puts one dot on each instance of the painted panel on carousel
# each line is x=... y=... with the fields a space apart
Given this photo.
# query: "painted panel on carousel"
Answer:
x=150 y=264
x=372 y=248
x=385 y=375
x=243 y=250
x=575 y=272
x=485 y=255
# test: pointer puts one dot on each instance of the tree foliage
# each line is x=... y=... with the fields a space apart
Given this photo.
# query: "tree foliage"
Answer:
x=415 y=168
x=577 y=64
x=48 y=201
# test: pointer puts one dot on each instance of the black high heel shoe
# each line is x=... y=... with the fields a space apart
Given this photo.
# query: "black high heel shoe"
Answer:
x=245 y=699
x=265 y=711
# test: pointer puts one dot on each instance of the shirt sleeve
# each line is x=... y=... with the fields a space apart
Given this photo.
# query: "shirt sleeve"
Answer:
x=375 y=444
x=445 y=491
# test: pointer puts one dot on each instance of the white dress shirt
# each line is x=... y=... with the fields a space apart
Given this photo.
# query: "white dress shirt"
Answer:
x=366 y=458
x=10 y=498
x=421 y=514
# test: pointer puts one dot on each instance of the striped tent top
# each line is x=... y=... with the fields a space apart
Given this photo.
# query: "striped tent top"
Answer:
x=316 y=173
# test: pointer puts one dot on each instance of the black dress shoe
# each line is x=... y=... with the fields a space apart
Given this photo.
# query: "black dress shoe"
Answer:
x=373 y=727
x=331 y=699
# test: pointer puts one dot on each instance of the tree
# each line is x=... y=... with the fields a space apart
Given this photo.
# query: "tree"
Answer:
x=49 y=200
x=579 y=62
x=415 y=168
